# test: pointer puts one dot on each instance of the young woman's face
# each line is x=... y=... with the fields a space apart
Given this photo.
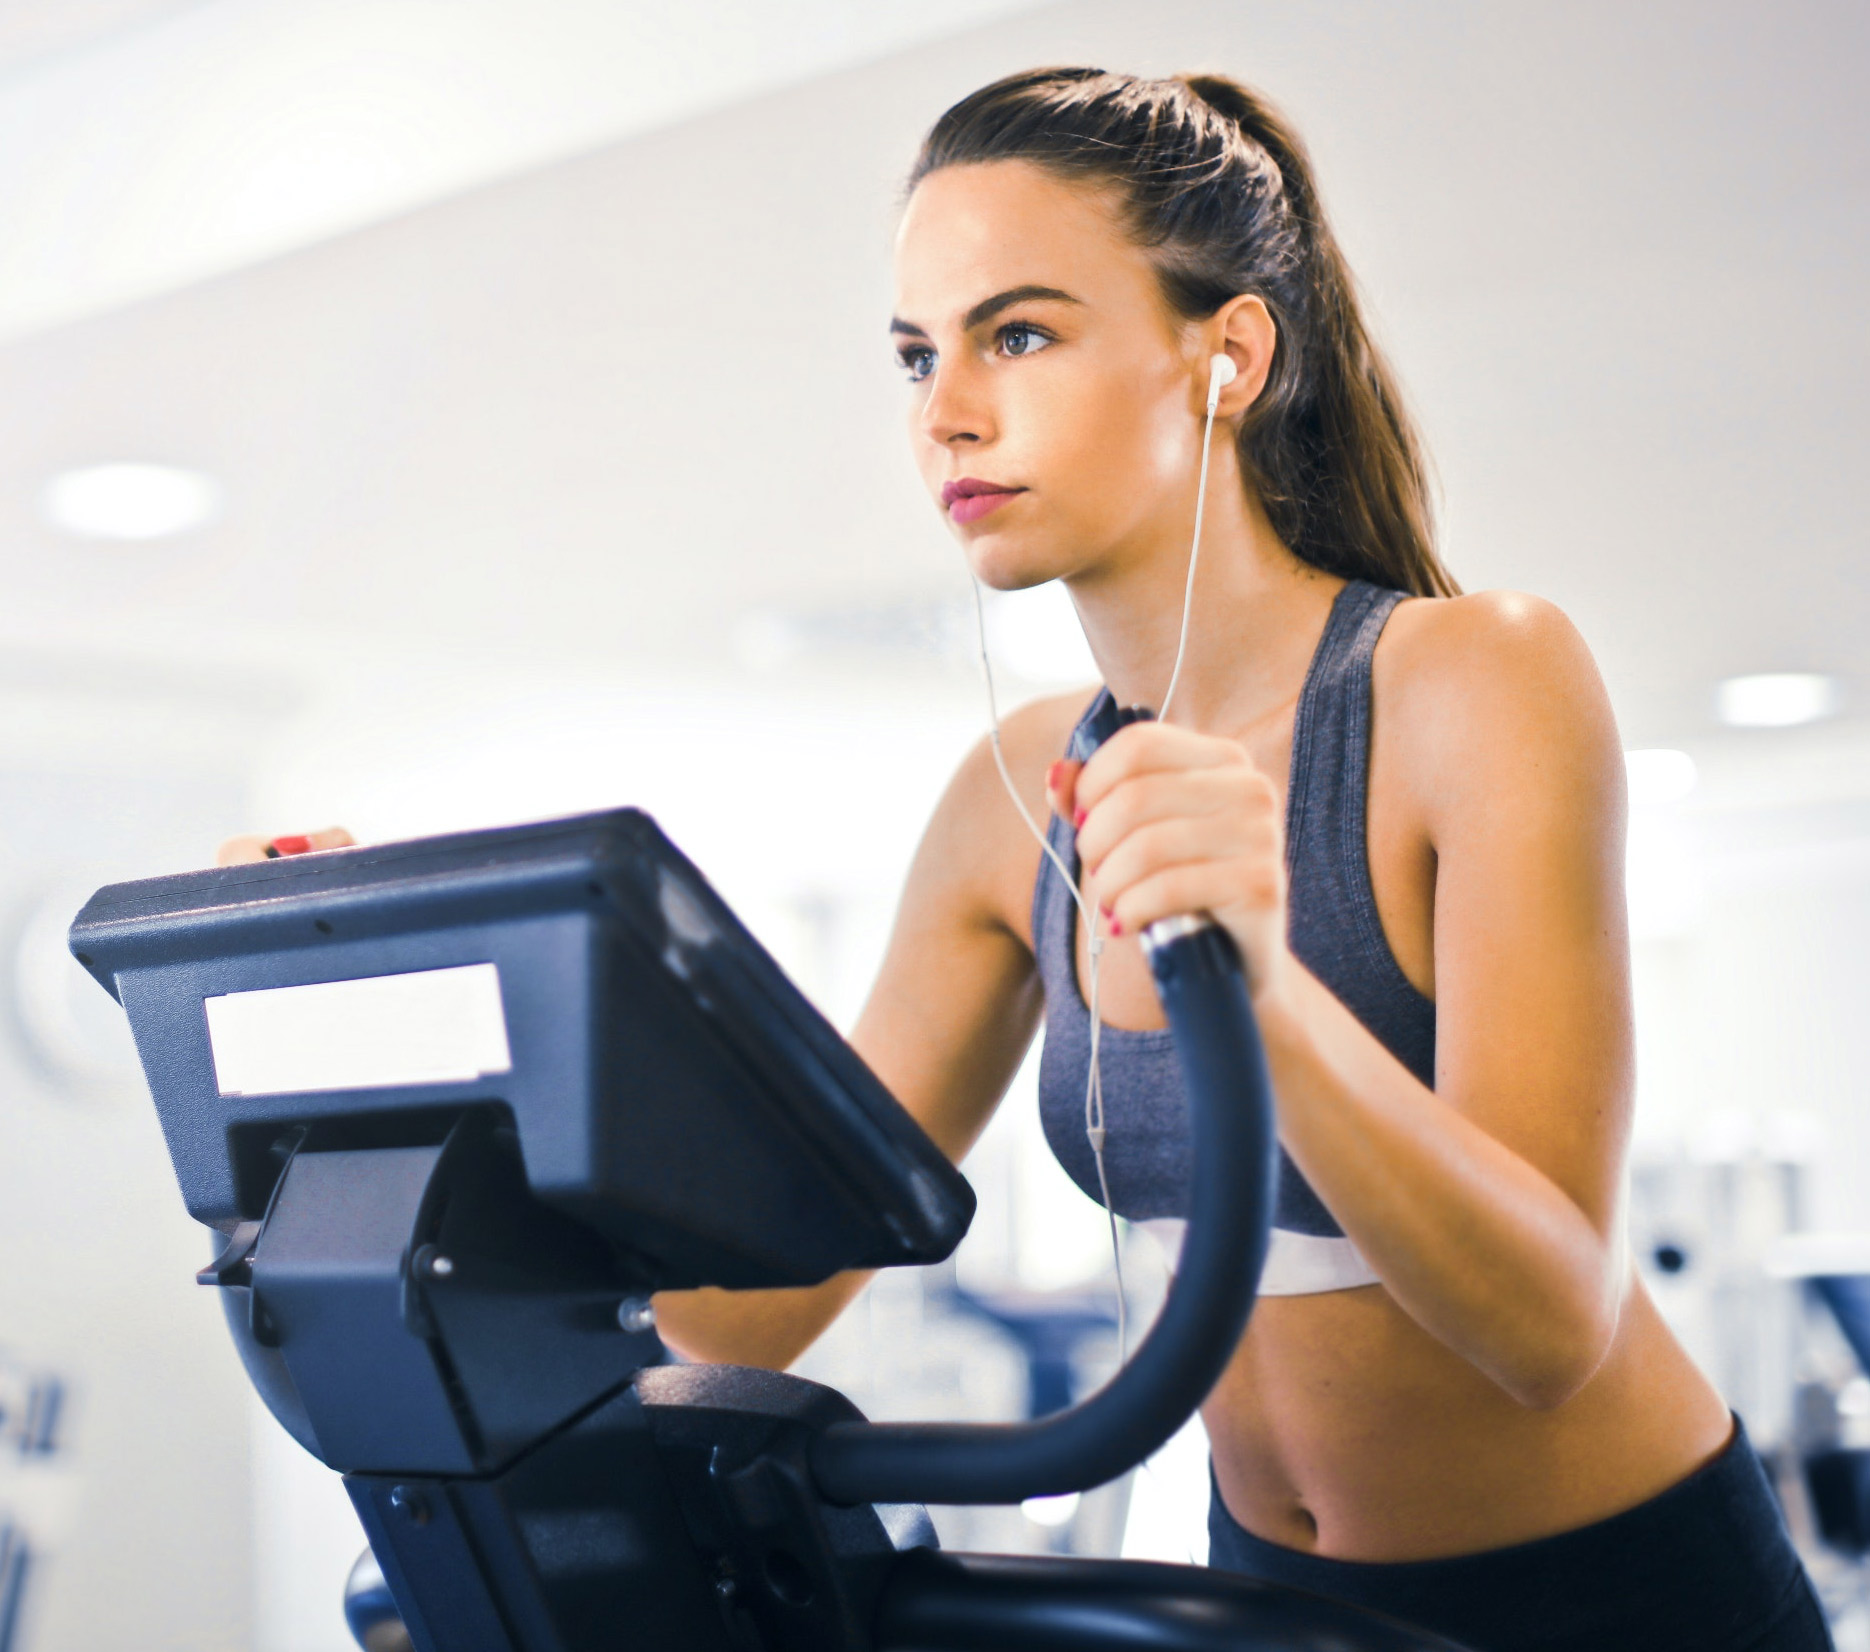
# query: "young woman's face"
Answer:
x=1044 y=361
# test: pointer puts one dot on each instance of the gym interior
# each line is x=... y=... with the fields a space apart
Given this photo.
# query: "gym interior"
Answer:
x=429 y=418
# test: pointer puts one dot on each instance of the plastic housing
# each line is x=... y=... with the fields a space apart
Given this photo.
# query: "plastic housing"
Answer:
x=669 y=1085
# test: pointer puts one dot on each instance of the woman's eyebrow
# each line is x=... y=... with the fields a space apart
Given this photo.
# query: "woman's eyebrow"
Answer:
x=988 y=308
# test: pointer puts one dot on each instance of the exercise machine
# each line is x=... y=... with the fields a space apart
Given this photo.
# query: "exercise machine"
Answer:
x=458 y=1107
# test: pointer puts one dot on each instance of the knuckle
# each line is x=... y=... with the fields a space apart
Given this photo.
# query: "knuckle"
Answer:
x=1240 y=782
x=1155 y=837
x=1118 y=809
x=1113 y=872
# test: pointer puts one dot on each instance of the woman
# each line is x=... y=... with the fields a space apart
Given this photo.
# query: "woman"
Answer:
x=1455 y=1401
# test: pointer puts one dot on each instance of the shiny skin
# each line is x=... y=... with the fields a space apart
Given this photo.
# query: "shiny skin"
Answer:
x=1509 y=1377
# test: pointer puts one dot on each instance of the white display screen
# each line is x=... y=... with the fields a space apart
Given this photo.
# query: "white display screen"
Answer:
x=436 y=1026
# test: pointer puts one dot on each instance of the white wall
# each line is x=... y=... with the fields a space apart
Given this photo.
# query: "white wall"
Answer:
x=1753 y=977
x=140 y=1518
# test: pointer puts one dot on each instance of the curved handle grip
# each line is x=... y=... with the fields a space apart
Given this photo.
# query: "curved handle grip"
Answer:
x=1217 y=1041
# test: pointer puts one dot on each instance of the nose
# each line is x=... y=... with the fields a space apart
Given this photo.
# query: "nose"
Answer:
x=955 y=412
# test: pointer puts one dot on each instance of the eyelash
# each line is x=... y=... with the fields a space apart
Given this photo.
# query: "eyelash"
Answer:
x=909 y=355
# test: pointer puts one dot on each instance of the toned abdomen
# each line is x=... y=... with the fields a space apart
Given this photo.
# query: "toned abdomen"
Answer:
x=1343 y=1427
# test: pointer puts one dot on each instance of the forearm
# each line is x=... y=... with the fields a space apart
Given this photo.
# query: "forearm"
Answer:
x=765 y=1328
x=1478 y=1246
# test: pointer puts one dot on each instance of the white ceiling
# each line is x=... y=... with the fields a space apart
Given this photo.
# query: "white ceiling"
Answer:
x=145 y=145
x=32 y=30
x=600 y=415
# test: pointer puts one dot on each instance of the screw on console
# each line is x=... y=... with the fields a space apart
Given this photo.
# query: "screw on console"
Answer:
x=430 y=1263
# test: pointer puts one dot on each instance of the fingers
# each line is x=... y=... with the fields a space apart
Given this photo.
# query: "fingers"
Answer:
x=1171 y=822
x=1186 y=793
x=1061 y=781
x=238 y=849
x=1145 y=748
x=330 y=837
x=251 y=846
x=1152 y=848
x=1170 y=893
x=1211 y=863
x=1249 y=908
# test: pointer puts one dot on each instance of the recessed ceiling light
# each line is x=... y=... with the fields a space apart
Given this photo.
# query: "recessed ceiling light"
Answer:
x=1658 y=775
x=1776 y=699
x=130 y=501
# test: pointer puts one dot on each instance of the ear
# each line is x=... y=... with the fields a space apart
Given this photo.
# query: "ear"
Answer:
x=1244 y=329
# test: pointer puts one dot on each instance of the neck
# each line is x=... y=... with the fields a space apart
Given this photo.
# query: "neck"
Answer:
x=1255 y=616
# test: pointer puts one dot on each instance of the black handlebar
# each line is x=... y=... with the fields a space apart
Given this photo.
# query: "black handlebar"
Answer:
x=1199 y=977
x=1032 y=1603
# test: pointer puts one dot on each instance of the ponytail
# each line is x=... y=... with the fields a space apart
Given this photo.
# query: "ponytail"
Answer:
x=1219 y=190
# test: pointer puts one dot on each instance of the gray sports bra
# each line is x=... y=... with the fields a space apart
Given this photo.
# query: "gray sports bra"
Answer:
x=1333 y=930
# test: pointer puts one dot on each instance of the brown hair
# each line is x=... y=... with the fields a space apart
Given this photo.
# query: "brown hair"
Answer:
x=1219 y=189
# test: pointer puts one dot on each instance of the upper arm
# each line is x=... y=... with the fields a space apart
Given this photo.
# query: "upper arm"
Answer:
x=1519 y=779
x=957 y=1000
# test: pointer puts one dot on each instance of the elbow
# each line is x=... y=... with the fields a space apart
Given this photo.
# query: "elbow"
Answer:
x=1560 y=1363
x=1549 y=1387
x=709 y=1326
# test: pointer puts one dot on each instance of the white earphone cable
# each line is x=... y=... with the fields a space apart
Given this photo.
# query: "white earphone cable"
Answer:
x=1220 y=373
x=1094 y=1082
x=1194 y=549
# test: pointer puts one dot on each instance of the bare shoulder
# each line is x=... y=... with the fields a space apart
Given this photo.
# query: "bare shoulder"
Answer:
x=1489 y=638
x=976 y=849
x=1497 y=690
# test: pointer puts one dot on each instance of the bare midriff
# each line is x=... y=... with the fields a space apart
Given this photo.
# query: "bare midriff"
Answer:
x=1344 y=1429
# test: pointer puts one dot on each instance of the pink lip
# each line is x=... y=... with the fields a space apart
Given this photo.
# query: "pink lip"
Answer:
x=969 y=499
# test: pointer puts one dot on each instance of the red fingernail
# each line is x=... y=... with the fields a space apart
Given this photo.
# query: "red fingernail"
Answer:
x=293 y=845
x=1115 y=927
x=1077 y=818
x=1051 y=775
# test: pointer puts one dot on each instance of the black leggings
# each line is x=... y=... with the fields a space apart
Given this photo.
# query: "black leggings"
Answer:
x=1706 y=1566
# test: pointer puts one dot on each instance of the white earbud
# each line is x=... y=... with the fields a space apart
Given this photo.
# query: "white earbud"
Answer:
x=1221 y=371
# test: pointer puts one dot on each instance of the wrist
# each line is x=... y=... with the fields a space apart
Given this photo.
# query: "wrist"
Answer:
x=1272 y=990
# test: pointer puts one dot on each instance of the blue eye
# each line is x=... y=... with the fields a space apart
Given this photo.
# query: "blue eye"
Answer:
x=917 y=360
x=1021 y=338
